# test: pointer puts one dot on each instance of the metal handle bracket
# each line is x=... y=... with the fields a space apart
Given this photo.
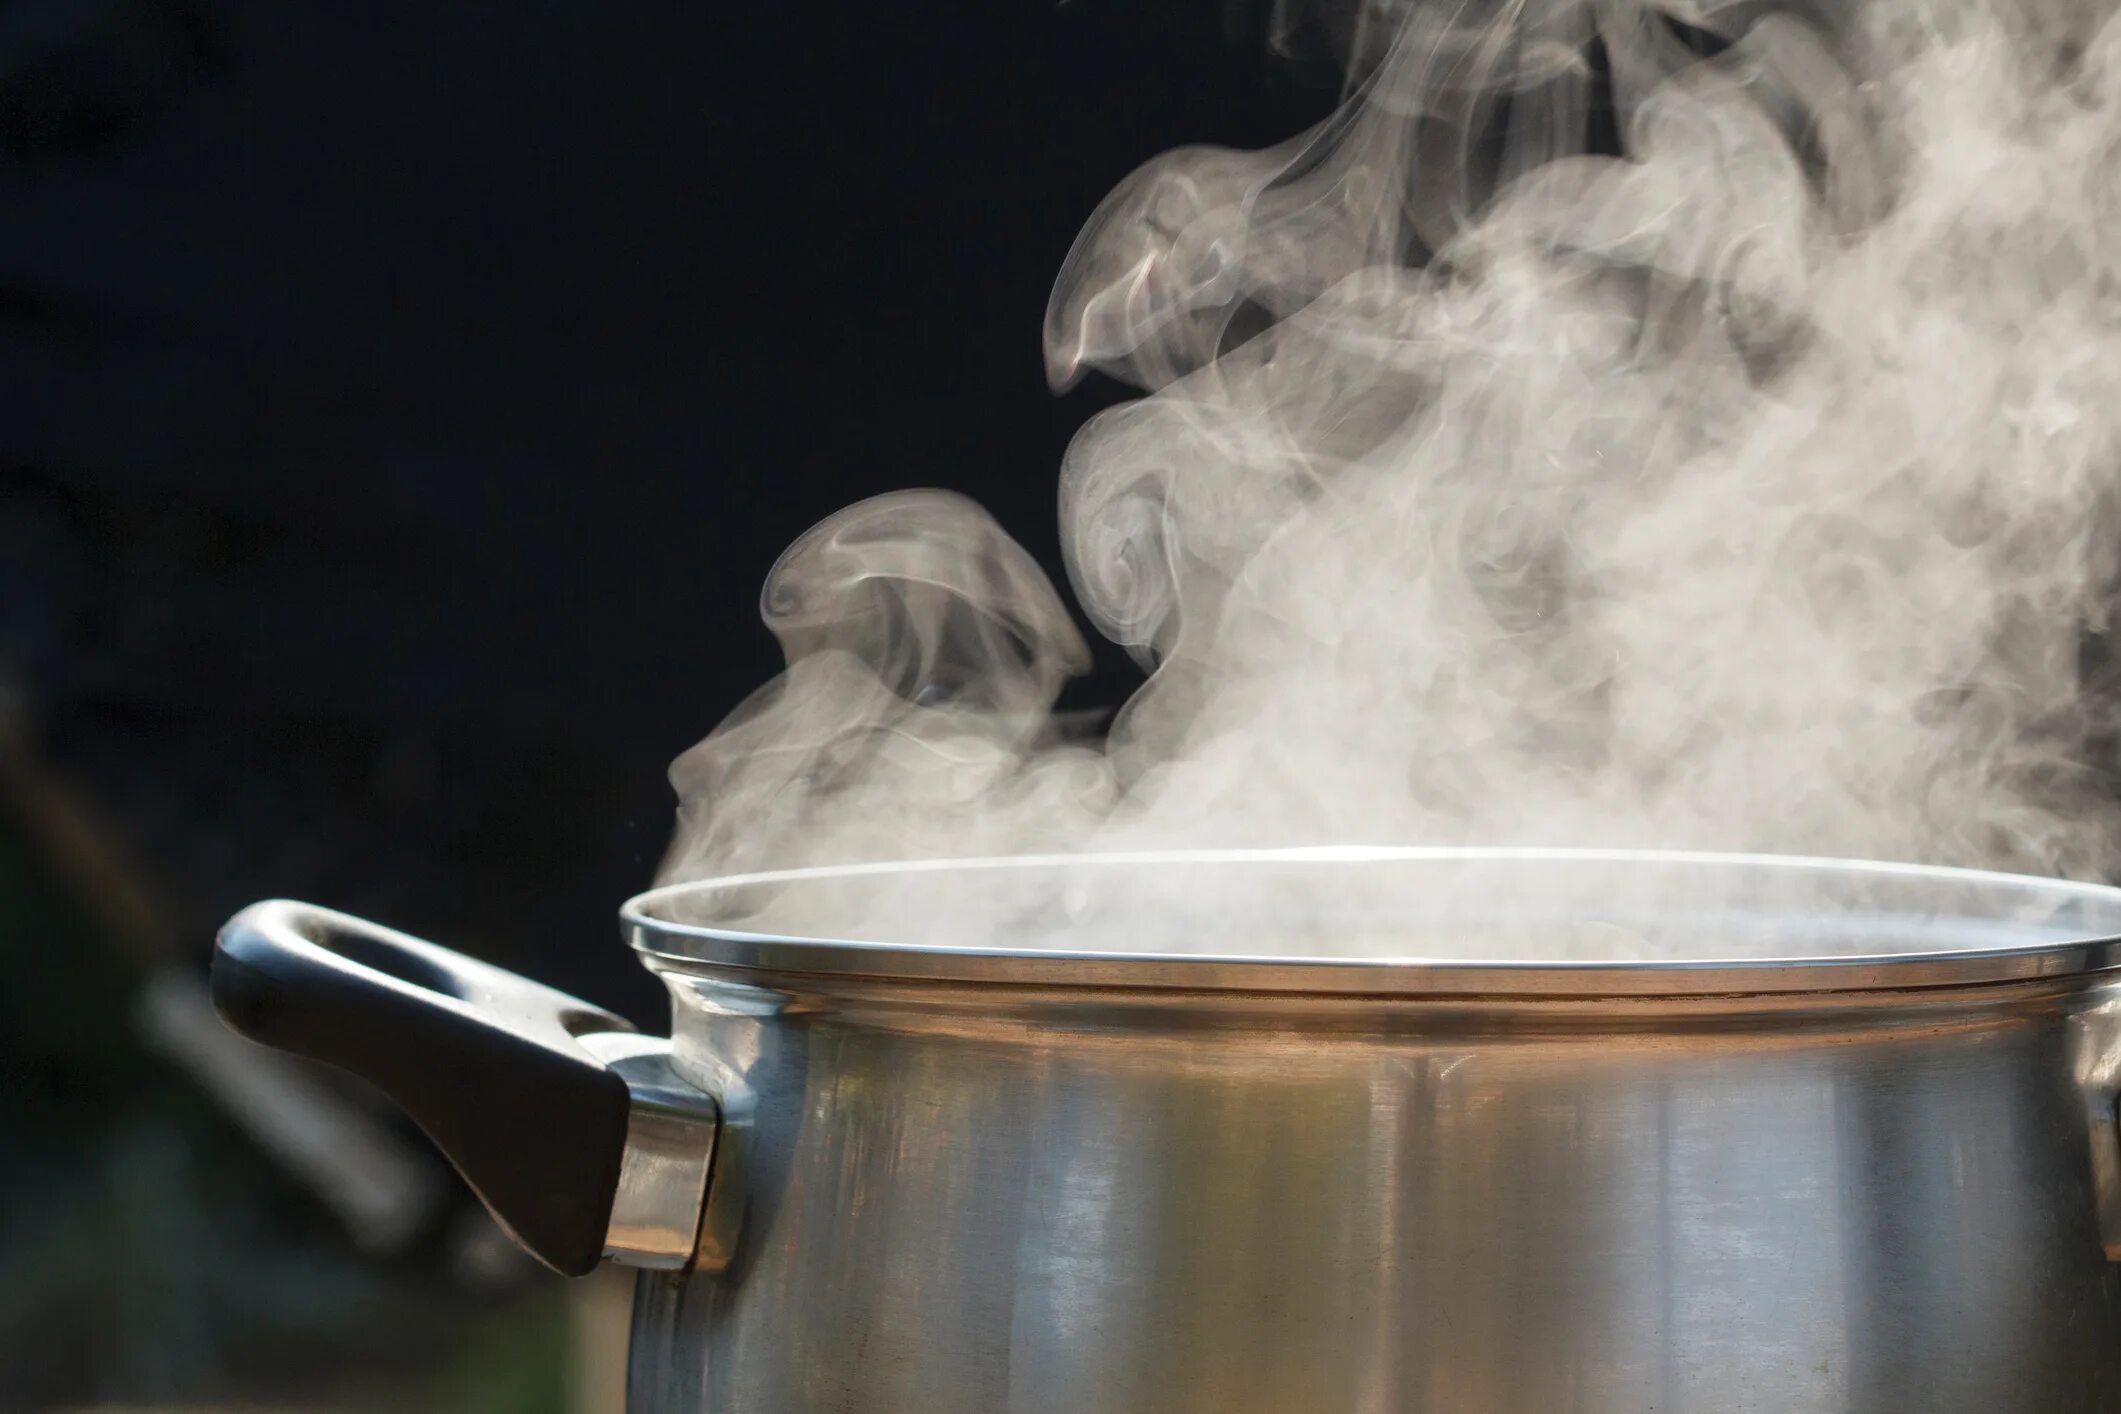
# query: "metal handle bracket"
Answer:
x=669 y=1158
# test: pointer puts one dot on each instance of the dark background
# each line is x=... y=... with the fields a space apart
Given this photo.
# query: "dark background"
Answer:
x=400 y=404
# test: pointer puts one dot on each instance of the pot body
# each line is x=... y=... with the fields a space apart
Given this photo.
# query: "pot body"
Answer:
x=938 y=1198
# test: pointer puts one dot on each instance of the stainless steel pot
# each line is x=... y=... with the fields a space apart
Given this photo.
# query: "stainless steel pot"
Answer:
x=887 y=1177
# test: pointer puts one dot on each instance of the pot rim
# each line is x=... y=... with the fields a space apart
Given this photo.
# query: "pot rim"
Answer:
x=667 y=945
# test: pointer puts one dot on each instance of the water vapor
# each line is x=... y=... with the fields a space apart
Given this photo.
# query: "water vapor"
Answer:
x=1618 y=424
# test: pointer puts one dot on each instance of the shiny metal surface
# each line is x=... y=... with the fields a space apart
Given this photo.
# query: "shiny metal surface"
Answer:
x=2005 y=927
x=1012 y=1197
x=669 y=1154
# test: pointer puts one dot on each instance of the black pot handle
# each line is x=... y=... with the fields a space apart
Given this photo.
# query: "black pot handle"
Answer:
x=488 y=1063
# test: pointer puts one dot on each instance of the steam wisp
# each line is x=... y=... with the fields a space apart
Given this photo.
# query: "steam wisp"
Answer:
x=1617 y=425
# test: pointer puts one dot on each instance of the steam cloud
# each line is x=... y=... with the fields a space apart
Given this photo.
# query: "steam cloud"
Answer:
x=1616 y=425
